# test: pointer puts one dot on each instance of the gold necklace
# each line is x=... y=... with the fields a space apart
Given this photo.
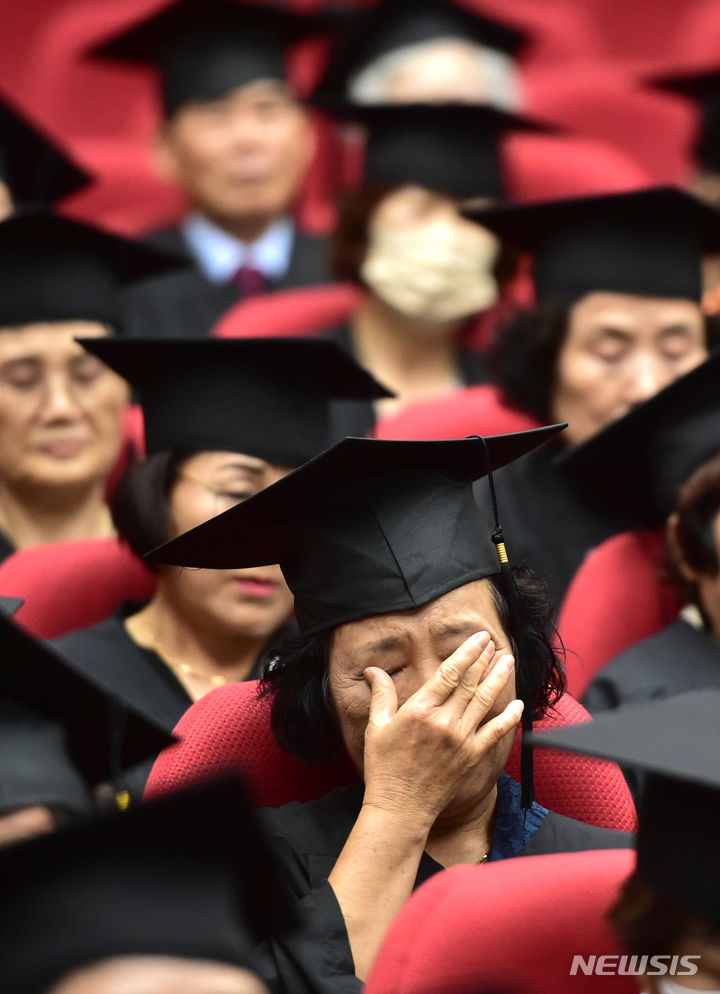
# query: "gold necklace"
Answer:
x=151 y=643
x=483 y=859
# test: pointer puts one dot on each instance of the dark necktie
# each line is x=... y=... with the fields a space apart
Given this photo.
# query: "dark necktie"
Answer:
x=249 y=281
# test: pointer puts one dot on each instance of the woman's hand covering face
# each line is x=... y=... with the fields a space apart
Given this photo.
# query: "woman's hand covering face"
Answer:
x=417 y=755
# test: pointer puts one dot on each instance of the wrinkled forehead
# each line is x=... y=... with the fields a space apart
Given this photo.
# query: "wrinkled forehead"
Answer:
x=48 y=338
x=459 y=613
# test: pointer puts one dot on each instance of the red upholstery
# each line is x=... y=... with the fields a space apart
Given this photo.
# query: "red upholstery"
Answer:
x=542 y=167
x=305 y=311
x=654 y=130
x=617 y=597
x=473 y=411
x=229 y=730
x=73 y=584
x=511 y=927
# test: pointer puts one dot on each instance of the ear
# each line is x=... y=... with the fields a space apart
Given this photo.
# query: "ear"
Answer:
x=672 y=537
x=164 y=155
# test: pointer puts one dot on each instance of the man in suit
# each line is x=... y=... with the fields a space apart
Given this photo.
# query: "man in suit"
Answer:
x=237 y=140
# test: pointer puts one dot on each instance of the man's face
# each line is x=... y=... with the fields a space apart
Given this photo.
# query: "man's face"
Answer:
x=241 y=158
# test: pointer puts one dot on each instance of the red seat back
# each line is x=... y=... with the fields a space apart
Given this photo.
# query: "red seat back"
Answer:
x=547 y=167
x=617 y=597
x=475 y=410
x=513 y=927
x=301 y=312
x=72 y=585
x=229 y=730
x=651 y=128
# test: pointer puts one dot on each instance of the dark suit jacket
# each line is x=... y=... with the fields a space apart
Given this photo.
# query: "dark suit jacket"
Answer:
x=185 y=304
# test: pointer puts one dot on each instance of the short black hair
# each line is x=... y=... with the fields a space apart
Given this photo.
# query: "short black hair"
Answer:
x=140 y=506
x=523 y=355
x=296 y=675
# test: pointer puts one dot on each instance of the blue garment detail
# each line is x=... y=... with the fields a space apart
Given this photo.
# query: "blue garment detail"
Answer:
x=219 y=254
x=513 y=827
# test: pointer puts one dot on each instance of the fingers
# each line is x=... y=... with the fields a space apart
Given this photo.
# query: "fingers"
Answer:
x=487 y=692
x=383 y=696
x=497 y=728
x=454 y=672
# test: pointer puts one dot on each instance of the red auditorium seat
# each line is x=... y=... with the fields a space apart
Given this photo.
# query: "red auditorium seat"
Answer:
x=617 y=597
x=697 y=38
x=229 y=730
x=598 y=102
x=72 y=585
x=475 y=410
x=301 y=312
x=546 y=167
x=512 y=927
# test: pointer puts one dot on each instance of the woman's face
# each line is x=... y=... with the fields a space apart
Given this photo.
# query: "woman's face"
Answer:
x=411 y=205
x=410 y=645
x=707 y=585
x=252 y=602
x=60 y=407
x=426 y=261
x=619 y=351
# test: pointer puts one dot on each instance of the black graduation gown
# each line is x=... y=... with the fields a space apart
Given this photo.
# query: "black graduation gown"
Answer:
x=548 y=524
x=679 y=658
x=308 y=838
x=185 y=304
x=136 y=675
x=6 y=549
x=357 y=417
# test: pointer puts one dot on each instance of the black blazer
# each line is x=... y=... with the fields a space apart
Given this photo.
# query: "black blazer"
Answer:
x=185 y=304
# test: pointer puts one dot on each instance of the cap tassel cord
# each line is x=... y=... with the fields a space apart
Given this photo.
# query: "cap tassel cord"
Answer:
x=507 y=581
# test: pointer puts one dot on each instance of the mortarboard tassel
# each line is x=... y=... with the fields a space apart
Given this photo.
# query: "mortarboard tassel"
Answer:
x=507 y=581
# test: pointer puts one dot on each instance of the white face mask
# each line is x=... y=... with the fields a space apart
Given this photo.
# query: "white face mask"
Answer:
x=437 y=271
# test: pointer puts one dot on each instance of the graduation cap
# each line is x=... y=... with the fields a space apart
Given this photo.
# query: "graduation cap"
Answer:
x=703 y=87
x=676 y=741
x=452 y=147
x=204 y=49
x=103 y=734
x=395 y=24
x=187 y=876
x=53 y=268
x=34 y=168
x=647 y=454
x=644 y=242
x=368 y=527
x=35 y=768
x=265 y=397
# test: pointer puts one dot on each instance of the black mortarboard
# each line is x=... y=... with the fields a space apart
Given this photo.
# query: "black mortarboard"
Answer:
x=638 y=462
x=35 y=768
x=204 y=49
x=35 y=169
x=393 y=24
x=266 y=397
x=452 y=147
x=37 y=676
x=677 y=742
x=53 y=268
x=368 y=527
x=187 y=876
x=644 y=242
x=704 y=88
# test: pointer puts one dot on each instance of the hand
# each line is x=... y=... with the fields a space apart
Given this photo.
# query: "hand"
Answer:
x=416 y=755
